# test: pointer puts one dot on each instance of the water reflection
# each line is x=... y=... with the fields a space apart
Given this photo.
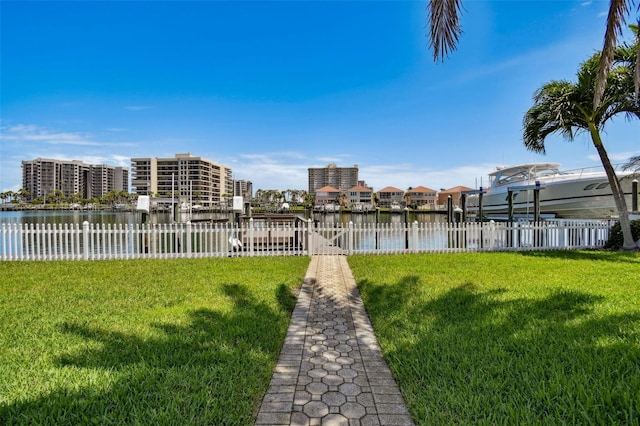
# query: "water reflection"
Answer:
x=110 y=217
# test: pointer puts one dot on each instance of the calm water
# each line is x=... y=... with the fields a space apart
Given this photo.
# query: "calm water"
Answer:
x=108 y=217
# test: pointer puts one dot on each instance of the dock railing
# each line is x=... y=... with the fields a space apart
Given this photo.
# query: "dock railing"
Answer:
x=302 y=238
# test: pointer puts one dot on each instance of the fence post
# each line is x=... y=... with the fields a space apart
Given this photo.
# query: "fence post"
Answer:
x=4 y=244
x=188 y=238
x=310 y=227
x=85 y=240
x=414 y=235
x=251 y=236
x=350 y=238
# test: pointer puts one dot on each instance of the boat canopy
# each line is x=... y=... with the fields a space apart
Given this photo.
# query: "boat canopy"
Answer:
x=524 y=172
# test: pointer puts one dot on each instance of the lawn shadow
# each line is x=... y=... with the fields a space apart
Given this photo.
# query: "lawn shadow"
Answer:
x=210 y=368
x=469 y=355
x=601 y=255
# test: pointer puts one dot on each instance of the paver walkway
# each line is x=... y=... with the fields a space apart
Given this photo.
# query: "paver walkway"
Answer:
x=331 y=370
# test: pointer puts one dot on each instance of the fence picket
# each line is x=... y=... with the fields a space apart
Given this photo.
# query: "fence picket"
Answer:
x=103 y=241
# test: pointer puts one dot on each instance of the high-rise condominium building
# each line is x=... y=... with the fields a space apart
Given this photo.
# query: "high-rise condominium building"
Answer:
x=43 y=176
x=243 y=188
x=341 y=178
x=192 y=179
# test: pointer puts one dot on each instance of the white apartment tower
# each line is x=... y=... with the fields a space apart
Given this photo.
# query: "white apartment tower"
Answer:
x=192 y=179
x=43 y=176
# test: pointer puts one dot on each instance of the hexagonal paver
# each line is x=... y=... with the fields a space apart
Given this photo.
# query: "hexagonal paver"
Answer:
x=343 y=360
x=317 y=373
x=331 y=354
x=318 y=349
x=333 y=380
x=331 y=366
x=317 y=388
x=347 y=373
x=343 y=348
x=349 y=389
x=315 y=409
x=318 y=360
x=342 y=337
x=334 y=398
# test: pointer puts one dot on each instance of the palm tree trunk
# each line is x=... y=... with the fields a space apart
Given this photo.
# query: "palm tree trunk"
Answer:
x=616 y=190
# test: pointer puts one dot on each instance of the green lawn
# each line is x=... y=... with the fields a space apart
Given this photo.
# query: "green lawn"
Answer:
x=509 y=338
x=188 y=341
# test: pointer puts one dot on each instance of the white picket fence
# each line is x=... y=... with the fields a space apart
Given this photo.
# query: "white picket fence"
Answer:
x=101 y=241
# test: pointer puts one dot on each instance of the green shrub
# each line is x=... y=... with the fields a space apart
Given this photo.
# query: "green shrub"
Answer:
x=615 y=235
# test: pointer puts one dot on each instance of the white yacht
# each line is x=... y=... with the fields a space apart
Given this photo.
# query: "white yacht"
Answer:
x=578 y=194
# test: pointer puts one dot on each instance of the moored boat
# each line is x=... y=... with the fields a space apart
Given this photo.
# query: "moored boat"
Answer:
x=577 y=194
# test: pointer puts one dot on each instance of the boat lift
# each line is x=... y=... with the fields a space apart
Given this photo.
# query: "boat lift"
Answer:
x=510 y=194
x=536 y=199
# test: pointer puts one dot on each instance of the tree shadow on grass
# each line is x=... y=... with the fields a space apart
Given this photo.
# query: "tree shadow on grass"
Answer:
x=471 y=356
x=212 y=368
x=602 y=255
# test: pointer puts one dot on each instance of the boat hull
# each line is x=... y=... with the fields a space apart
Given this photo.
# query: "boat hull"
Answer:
x=584 y=198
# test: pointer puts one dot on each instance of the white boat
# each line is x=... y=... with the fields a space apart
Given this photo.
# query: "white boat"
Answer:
x=395 y=207
x=577 y=194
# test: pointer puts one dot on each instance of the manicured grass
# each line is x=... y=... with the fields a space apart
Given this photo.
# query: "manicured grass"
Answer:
x=509 y=338
x=189 y=341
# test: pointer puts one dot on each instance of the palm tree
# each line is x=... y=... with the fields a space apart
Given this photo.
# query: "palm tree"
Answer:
x=618 y=9
x=445 y=29
x=567 y=108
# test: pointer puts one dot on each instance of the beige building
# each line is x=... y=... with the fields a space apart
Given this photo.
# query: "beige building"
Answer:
x=360 y=197
x=192 y=179
x=327 y=195
x=44 y=176
x=455 y=194
x=341 y=178
x=391 y=195
x=422 y=197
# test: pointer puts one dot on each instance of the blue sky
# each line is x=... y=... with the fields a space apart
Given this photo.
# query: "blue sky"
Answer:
x=272 y=88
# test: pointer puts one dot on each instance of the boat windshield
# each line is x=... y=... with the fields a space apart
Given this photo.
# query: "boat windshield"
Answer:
x=529 y=173
x=513 y=177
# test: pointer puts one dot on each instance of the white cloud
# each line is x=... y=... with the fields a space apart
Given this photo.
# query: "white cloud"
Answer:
x=31 y=133
x=285 y=171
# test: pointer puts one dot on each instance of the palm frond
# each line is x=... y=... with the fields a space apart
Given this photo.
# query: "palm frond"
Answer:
x=444 y=20
x=632 y=163
x=615 y=22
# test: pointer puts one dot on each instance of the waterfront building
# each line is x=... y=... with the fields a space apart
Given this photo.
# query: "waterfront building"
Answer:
x=360 y=197
x=327 y=195
x=391 y=195
x=192 y=179
x=422 y=197
x=455 y=193
x=341 y=178
x=244 y=189
x=44 y=176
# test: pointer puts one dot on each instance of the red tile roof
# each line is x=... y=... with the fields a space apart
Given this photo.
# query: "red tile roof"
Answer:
x=456 y=189
x=327 y=188
x=391 y=189
x=421 y=189
x=360 y=188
